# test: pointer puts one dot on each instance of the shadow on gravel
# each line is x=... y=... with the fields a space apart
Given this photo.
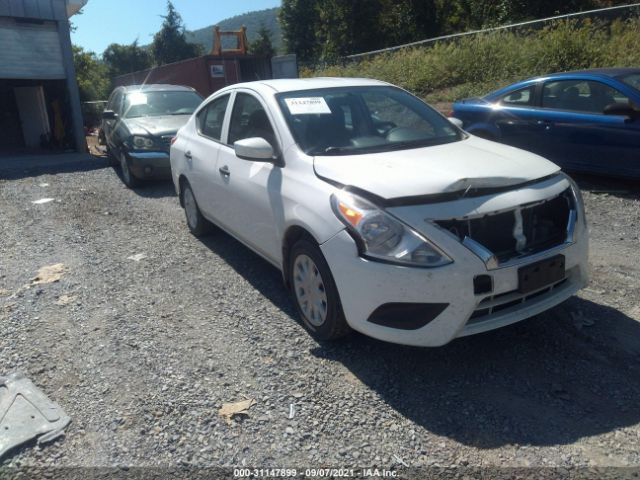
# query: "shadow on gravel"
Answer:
x=569 y=373
x=17 y=167
x=262 y=276
x=617 y=187
x=549 y=380
x=151 y=188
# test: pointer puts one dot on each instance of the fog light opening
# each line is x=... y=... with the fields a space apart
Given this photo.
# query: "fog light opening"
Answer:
x=482 y=284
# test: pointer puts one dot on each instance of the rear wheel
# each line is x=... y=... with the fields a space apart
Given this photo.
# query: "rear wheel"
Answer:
x=198 y=225
x=315 y=292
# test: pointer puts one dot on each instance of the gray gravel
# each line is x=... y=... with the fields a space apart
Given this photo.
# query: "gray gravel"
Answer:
x=146 y=352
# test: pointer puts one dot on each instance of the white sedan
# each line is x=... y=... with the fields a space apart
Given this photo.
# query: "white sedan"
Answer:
x=383 y=216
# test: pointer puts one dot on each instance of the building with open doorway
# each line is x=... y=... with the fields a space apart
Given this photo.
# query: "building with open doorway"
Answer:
x=39 y=99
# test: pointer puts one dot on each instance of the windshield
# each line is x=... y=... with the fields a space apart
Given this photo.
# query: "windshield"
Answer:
x=633 y=80
x=155 y=104
x=356 y=120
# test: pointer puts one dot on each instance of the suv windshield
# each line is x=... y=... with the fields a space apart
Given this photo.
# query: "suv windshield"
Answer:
x=356 y=120
x=155 y=104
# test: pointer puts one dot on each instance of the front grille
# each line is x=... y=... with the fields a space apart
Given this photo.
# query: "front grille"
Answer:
x=497 y=303
x=519 y=232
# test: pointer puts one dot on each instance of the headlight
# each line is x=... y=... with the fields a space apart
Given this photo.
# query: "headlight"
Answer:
x=142 y=142
x=382 y=237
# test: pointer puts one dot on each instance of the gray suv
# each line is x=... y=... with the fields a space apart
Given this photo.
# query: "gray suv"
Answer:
x=138 y=125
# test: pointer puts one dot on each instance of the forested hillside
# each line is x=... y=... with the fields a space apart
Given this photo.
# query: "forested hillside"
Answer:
x=252 y=20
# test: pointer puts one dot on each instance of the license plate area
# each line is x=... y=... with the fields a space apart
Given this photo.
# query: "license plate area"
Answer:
x=541 y=274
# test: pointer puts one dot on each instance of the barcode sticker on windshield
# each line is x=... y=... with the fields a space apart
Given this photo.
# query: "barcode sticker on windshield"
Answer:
x=307 y=106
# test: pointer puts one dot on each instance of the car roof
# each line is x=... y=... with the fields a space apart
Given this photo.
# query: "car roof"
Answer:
x=156 y=87
x=299 y=84
x=607 y=72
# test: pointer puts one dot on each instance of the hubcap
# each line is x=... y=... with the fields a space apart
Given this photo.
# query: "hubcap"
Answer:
x=310 y=292
x=190 y=208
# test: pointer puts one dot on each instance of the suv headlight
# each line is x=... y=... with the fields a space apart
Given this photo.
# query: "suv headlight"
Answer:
x=142 y=143
x=382 y=237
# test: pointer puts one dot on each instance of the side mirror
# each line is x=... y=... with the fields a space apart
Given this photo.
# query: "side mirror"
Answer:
x=109 y=115
x=622 y=109
x=256 y=149
x=457 y=122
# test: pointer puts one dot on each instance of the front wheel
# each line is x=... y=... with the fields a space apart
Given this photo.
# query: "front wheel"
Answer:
x=315 y=292
x=130 y=180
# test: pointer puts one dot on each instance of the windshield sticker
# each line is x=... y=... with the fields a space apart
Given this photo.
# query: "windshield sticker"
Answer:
x=307 y=106
x=137 y=99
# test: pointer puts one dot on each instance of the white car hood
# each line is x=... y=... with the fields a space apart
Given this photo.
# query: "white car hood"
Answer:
x=452 y=167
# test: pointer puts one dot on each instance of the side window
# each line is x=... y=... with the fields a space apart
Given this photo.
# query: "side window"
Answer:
x=114 y=101
x=580 y=96
x=522 y=97
x=210 y=118
x=117 y=102
x=249 y=119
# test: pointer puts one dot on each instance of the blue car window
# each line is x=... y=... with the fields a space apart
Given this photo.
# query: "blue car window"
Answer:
x=580 y=96
x=522 y=97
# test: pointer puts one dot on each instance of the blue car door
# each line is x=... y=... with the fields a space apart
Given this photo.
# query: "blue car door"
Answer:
x=580 y=137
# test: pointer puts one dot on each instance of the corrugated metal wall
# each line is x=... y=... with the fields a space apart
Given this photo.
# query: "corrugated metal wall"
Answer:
x=40 y=9
x=35 y=51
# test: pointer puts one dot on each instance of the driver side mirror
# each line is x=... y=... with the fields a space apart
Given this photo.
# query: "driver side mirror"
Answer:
x=109 y=115
x=256 y=149
x=622 y=109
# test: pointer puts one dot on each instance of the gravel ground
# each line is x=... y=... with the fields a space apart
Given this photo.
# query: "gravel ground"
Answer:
x=142 y=354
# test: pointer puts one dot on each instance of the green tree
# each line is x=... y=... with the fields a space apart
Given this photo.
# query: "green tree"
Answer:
x=170 y=43
x=121 y=59
x=299 y=20
x=262 y=45
x=91 y=74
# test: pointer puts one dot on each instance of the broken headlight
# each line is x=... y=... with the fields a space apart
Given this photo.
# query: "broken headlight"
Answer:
x=381 y=237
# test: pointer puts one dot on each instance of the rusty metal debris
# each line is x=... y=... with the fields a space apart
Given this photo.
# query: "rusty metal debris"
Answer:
x=26 y=413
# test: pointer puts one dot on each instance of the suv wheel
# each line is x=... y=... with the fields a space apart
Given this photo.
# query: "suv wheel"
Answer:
x=130 y=180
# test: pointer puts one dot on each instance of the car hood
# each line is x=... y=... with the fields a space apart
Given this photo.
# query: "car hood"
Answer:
x=156 y=126
x=452 y=167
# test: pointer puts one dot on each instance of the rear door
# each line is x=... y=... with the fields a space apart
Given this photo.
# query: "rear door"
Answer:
x=201 y=155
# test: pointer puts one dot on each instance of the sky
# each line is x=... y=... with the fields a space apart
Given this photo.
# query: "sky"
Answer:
x=104 y=22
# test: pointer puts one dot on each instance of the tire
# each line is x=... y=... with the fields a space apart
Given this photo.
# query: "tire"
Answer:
x=315 y=293
x=129 y=179
x=198 y=225
x=111 y=159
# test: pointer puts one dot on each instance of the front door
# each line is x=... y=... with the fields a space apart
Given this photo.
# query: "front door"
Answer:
x=251 y=190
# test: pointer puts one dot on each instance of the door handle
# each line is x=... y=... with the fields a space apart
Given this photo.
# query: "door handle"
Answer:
x=224 y=171
x=187 y=155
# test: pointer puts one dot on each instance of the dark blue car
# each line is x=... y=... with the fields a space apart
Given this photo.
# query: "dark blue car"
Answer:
x=586 y=121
